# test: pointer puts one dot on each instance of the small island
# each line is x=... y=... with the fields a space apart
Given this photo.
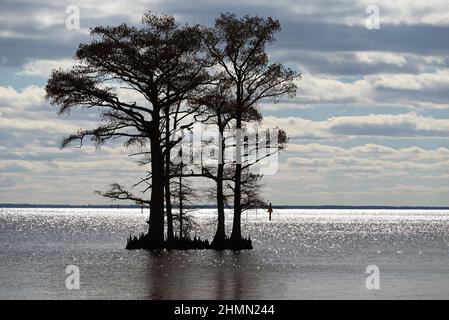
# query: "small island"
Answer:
x=188 y=99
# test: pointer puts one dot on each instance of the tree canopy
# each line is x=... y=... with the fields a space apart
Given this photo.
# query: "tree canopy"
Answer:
x=149 y=82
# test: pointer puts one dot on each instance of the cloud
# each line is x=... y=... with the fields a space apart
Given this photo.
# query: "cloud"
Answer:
x=30 y=96
x=315 y=89
x=44 y=67
x=378 y=159
x=410 y=125
x=404 y=125
x=342 y=12
x=438 y=80
x=363 y=164
x=51 y=126
x=320 y=26
x=426 y=90
x=359 y=63
x=363 y=174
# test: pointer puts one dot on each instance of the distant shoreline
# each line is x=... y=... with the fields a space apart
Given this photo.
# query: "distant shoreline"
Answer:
x=62 y=206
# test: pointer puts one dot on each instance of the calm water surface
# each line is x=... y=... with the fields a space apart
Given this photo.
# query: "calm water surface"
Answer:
x=301 y=254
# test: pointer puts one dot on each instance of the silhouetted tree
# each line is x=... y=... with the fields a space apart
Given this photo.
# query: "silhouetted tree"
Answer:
x=215 y=105
x=183 y=193
x=238 y=47
x=158 y=65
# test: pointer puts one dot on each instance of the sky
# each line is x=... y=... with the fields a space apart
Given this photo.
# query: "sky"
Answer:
x=369 y=124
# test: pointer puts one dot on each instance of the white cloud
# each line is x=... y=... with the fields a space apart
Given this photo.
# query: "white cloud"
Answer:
x=313 y=89
x=50 y=126
x=372 y=156
x=44 y=67
x=324 y=90
x=13 y=99
x=438 y=80
x=350 y=12
x=380 y=57
x=433 y=12
x=360 y=164
x=410 y=125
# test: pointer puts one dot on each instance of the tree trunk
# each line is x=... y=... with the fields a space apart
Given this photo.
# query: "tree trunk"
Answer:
x=168 y=206
x=236 y=235
x=220 y=235
x=180 y=205
x=156 y=221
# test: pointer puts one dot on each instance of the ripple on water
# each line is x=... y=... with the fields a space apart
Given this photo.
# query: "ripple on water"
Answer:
x=295 y=255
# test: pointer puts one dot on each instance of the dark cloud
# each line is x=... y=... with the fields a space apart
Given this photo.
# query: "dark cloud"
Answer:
x=418 y=39
x=308 y=34
x=348 y=63
x=16 y=52
x=434 y=95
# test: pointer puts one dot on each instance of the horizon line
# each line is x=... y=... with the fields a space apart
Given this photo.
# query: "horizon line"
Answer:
x=207 y=206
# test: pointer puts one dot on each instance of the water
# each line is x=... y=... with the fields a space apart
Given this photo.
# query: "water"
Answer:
x=301 y=254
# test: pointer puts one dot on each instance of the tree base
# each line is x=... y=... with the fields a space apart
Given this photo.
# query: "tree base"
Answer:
x=144 y=242
x=228 y=244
